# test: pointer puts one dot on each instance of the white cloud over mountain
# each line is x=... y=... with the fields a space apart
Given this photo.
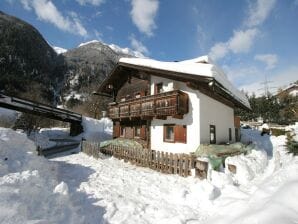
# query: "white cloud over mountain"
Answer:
x=48 y=12
x=143 y=14
x=91 y=2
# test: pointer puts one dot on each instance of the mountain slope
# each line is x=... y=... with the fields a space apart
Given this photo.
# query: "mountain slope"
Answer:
x=26 y=59
x=30 y=67
x=87 y=66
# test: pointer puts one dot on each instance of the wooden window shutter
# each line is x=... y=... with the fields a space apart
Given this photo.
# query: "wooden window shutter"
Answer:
x=143 y=132
x=180 y=133
x=142 y=92
x=116 y=130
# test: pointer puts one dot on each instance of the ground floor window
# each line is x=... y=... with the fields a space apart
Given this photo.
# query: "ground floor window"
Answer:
x=137 y=131
x=169 y=133
x=237 y=135
x=212 y=134
x=174 y=133
x=230 y=134
x=122 y=131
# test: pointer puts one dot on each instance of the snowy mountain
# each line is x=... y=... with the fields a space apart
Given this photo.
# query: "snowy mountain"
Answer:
x=29 y=63
x=87 y=66
x=126 y=51
x=59 y=50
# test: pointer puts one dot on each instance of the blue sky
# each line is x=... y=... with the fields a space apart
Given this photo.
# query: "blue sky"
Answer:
x=248 y=39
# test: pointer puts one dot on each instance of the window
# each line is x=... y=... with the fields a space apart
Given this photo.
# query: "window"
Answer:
x=137 y=132
x=237 y=136
x=230 y=134
x=169 y=133
x=175 y=133
x=158 y=88
x=138 y=95
x=122 y=131
x=212 y=134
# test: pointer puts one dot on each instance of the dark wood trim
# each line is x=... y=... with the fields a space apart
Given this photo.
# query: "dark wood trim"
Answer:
x=219 y=92
x=178 y=116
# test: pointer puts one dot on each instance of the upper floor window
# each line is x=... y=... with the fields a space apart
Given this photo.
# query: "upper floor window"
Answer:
x=158 y=88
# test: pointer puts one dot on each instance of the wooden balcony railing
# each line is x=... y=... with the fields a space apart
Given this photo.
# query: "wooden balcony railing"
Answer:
x=173 y=103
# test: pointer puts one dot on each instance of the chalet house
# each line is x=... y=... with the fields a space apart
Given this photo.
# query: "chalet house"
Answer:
x=173 y=106
x=291 y=90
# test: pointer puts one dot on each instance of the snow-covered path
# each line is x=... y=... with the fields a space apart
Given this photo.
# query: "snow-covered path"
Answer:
x=132 y=194
x=129 y=194
x=78 y=189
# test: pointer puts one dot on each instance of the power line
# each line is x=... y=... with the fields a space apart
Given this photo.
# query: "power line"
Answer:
x=266 y=86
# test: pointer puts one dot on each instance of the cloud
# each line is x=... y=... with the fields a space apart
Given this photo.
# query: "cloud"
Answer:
x=259 y=11
x=138 y=45
x=26 y=4
x=143 y=14
x=98 y=34
x=219 y=50
x=47 y=11
x=244 y=38
x=202 y=37
x=91 y=2
x=269 y=59
x=240 y=42
x=277 y=80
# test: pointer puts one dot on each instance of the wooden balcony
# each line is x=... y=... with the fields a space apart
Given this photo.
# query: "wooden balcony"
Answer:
x=173 y=103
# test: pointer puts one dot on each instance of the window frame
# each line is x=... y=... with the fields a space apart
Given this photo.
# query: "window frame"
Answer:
x=178 y=135
x=212 y=127
x=165 y=126
x=135 y=131
x=122 y=131
x=157 y=90
x=230 y=135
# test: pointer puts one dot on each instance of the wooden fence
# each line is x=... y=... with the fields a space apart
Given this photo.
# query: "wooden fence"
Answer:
x=171 y=163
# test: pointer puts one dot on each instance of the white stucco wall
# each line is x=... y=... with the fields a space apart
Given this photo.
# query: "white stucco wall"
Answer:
x=203 y=112
x=213 y=112
x=191 y=119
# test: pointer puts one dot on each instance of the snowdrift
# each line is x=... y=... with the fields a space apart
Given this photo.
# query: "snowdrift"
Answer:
x=29 y=188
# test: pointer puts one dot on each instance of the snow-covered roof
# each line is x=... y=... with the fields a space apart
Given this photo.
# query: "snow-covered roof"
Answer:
x=202 y=66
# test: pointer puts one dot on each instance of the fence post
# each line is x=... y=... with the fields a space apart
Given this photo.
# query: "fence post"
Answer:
x=180 y=164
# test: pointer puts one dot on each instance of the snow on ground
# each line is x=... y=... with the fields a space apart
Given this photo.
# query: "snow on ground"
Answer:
x=97 y=130
x=28 y=183
x=7 y=117
x=108 y=190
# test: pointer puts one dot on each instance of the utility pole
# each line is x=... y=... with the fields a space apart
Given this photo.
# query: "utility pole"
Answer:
x=266 y=87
